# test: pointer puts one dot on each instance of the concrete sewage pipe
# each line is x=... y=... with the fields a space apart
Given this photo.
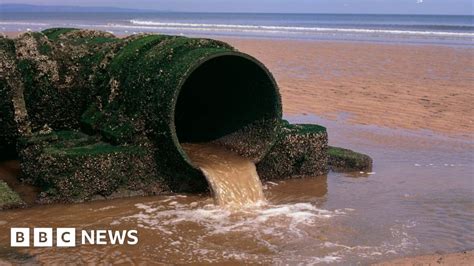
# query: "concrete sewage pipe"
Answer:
x=154 y=90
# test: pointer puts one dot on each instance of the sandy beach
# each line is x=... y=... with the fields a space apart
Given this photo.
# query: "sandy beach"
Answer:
x=420 y=88
x=461 y=258
x=407 y=86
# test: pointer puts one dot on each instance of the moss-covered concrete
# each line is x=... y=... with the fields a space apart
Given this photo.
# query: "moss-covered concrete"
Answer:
x=301 y=150
x=170 y=89
x=14 y=119
x=71 y=166
x=91 y=114
x=344 y=160
x=143 y=90
x=8 y=198
x=49 y=80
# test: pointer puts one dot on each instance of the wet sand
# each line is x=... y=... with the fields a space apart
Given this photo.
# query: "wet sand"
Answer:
x=397 y=86
x=416 y=87
x=417 y=177
x=461 y=258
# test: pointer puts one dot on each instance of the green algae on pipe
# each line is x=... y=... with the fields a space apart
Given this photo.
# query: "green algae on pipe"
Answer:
x=344 y=160
x=144 y=89
x=8 y=198
x=169 y=90
x=300 y=151
x=13 y=115
x=49 y=82
x=72 y=167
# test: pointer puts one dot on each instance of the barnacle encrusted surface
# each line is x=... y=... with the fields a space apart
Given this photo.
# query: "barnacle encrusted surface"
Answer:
x=153 y=91
x=91 y=115
x=301 y=150
x=8 y=198
x=71 y=166
x=344 y=160
x=13 y=114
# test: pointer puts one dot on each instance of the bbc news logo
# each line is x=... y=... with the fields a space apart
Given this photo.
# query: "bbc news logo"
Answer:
x=66 y=237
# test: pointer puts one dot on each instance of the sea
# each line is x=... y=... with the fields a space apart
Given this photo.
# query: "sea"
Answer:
x=432 y=29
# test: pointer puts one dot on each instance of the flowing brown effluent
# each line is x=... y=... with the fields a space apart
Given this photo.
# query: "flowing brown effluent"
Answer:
x=233 y=179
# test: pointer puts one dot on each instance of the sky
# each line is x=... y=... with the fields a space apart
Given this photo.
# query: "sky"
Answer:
x=464 y=7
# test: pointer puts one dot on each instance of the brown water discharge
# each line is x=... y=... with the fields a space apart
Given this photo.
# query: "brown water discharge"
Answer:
x=418 y=200
x=233 y=179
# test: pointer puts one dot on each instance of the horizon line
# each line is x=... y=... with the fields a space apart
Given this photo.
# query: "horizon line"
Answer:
x=140 y=10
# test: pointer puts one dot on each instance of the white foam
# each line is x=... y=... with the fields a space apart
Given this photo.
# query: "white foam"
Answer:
x=268 y=225
x=280 y=29
x=23 y=23
x=269 y=219
x=326 y=260
x=104 y=208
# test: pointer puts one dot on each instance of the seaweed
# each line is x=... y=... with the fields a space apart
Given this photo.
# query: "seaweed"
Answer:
x=345 y=160
x=54 y=33
x=8 y=198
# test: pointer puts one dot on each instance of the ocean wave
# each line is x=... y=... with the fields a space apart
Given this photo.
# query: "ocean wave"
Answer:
x=21 y=23
x=285 y=29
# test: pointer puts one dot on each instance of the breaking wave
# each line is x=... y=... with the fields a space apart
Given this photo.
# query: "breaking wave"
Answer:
x=287 y=29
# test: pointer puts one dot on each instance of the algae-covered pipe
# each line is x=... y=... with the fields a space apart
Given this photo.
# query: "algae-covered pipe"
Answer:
x=148 y=90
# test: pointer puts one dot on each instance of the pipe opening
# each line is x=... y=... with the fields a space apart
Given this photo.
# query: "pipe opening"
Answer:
x=225 y=95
